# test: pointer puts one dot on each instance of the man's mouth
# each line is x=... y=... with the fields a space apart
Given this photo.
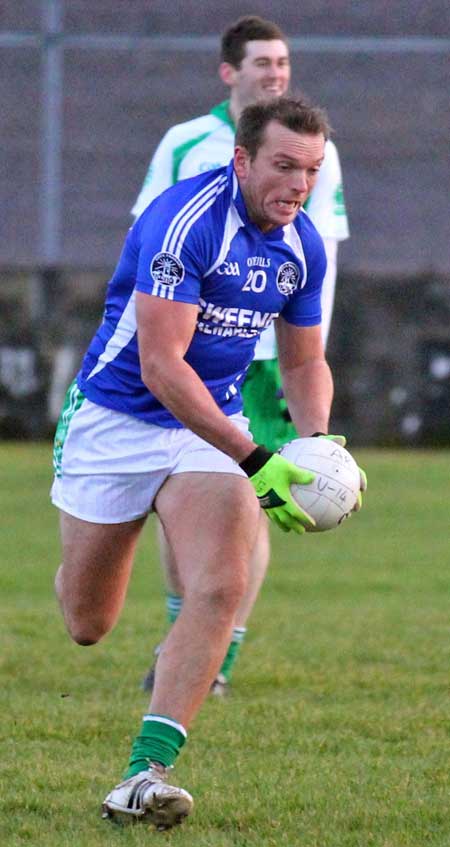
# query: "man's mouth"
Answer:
x=287 y=204
x=273 y=89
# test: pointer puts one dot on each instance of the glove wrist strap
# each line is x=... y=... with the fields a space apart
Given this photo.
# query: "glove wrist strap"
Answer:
x=254 y=462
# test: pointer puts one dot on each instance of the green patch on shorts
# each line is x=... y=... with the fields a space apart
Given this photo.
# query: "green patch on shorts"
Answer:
x=263 y=405
x=72 y=402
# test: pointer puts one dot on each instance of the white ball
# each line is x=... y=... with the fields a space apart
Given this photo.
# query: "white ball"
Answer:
x=331 y=496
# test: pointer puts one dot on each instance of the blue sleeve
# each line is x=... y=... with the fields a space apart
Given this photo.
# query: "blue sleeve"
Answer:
x=304 y=306
x=169 y=265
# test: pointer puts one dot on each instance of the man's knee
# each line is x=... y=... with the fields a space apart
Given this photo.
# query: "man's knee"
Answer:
x=83 y=625
x=222 y=596
x=83 y=640
x=86 y=633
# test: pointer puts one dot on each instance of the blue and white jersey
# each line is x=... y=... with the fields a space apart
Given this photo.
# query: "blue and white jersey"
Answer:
x=196 y=244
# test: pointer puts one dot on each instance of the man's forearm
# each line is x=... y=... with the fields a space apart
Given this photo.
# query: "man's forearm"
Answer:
x=182 y=392
x=308 y=389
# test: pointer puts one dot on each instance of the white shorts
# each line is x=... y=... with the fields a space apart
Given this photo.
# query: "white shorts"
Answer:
x=110 y=466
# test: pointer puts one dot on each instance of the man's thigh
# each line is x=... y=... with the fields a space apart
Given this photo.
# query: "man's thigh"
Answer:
x=210 y=521
x=97 y=560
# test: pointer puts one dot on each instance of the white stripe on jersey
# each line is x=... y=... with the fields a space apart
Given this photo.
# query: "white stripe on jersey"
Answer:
x=191 y=221
x=232 y=390
x=187 y=206
x=166 y=292
x=122 y=335
x=179 y=221
x=292 y=237
x=235 y=185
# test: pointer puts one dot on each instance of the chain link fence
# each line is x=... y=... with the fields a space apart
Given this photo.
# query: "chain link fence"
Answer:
x=87 y=93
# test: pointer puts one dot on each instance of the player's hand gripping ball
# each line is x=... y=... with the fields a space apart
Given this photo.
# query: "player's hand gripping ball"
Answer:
x=335 y=491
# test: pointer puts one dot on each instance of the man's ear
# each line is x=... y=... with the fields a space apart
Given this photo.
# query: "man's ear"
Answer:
x=241 y=162
x=227 y=73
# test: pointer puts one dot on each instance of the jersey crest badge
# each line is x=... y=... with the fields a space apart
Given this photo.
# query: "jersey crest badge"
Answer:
x=288 y=278
x=167 y=269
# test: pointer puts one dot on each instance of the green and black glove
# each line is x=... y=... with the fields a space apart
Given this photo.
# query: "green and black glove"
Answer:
x=272 y=477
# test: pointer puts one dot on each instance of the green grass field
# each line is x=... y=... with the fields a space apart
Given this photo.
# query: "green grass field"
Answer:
x=338 y=732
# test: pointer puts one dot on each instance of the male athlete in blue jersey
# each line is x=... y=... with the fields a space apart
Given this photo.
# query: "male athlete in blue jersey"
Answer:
x=196 y=244
x=154 y=420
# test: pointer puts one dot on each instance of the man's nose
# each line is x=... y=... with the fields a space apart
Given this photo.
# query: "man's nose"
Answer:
x=275 y=70
x=299 y=181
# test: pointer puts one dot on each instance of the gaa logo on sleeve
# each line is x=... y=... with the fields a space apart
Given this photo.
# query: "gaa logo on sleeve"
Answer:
x=167 y=269
x=288 y=277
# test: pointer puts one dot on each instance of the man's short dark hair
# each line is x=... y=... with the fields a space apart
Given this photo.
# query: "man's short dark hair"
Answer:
x=247 y=28
x=295 y=114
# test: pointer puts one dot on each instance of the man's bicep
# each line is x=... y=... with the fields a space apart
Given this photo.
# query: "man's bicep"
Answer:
x=164 y=327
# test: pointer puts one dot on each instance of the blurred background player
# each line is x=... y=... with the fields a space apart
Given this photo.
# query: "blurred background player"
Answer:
x=255 y=66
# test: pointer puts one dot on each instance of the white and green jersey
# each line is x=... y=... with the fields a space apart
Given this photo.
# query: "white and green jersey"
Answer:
x=186 y=150
x=207 y=142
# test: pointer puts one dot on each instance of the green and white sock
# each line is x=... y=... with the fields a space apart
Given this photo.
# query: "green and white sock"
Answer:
x=174 y=604
x=160 y=740
x=232 y=653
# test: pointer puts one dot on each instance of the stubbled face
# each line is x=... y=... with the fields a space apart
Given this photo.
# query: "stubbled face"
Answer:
x=264 y=73
x=276 y=184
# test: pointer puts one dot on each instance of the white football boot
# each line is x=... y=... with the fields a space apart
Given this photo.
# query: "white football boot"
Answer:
x=220 y=686
x=147 y=797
